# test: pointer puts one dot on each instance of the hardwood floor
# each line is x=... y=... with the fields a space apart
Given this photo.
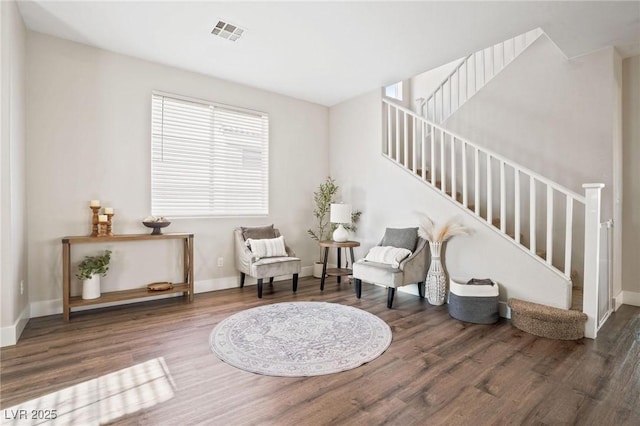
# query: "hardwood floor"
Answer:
x=437 y=370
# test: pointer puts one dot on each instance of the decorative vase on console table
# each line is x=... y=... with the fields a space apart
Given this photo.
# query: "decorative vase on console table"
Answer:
x=91 y=287
x=89 y=271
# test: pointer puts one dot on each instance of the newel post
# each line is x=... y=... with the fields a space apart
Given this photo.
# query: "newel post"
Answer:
x=593 y=200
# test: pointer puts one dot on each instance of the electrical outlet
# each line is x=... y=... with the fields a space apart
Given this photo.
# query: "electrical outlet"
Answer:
x=220 y=262
x=21 y=287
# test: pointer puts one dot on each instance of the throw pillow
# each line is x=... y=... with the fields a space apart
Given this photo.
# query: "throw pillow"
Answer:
x=400 y=237
x=258 y=232
x=273 y=247
x=387 y=255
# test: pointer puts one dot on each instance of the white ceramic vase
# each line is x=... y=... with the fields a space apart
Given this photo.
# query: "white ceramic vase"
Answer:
x=91 y=287
x=436 y=277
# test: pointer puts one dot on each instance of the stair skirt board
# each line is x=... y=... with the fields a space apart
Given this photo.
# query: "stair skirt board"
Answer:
x=547 y=321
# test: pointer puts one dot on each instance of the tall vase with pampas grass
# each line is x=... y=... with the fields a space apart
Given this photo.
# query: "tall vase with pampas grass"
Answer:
x=437 y=275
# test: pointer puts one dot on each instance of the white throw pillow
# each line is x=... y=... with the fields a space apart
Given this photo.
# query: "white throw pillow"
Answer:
x=387 y=255
x=273 y=247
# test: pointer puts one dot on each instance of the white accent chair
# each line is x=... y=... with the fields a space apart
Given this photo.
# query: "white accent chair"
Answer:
x=411 y=270
x=267 y=267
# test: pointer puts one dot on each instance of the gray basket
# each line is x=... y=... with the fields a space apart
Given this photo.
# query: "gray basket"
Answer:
x=474 y=303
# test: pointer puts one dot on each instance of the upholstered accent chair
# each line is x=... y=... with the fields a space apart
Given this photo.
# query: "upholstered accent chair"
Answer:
x=401 y=258
x=260 y=252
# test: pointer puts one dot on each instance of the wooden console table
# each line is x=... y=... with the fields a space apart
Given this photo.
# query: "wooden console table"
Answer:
x=339 y=271
x=186 y=287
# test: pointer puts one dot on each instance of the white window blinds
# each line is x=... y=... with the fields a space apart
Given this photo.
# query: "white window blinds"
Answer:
x=208 y=159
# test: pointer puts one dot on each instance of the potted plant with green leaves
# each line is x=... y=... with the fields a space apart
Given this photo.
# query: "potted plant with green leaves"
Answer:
x=90 y=270
x=323 y=198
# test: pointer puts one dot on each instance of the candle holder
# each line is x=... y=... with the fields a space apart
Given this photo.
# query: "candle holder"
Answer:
x=110 y=224
x=102 y=229
x=94 y=221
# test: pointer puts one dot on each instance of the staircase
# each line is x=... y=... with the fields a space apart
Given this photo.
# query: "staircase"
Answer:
x=472 y=74
x=552 y=224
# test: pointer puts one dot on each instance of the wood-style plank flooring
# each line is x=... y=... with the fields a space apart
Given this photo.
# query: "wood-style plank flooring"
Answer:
x=437 y=370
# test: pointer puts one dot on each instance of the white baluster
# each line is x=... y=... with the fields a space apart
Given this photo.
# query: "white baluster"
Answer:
x=532 y=214
x=443 y=167
x=516 y=207
x=424 y=150
x=450 y=97
x=549 y=224
x=406 y=140
x=397 y=156
x=503 y=200
x=414 y=124
x=568 y=239
x=476 y=181
x=494 y=61
x=489 y=192
x=453 y=167
x=465 y=200
x=459 y=86
x=389 y=132
x=466 y=81
x=475 y=75
x=433 y=155
x=484 y=81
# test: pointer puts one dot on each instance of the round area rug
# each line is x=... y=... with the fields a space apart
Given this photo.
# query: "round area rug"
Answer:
x=300 y=339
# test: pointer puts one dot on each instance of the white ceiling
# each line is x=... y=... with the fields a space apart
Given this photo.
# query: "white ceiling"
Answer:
x=327 y=52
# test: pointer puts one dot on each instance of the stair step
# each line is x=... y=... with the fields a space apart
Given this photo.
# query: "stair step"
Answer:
x=547 y=321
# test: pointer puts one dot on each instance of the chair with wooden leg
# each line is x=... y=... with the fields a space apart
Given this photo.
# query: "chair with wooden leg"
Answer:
x=261 y=252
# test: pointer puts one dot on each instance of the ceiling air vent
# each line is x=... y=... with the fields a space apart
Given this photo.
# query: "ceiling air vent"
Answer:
x=227 y=30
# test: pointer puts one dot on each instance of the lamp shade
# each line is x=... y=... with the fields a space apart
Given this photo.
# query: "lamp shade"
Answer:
x=340 y=213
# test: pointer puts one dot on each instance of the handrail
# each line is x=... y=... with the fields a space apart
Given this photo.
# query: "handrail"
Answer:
x=493 y=154
x=451 y=74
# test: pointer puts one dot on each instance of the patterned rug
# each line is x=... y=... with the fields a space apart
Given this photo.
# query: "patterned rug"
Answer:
x=300 y=339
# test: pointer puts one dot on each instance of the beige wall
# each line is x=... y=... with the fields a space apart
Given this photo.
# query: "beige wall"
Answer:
x=631 y=178
x=550 y=114
x=88 y=120
x=557 y=117
x=12 y=170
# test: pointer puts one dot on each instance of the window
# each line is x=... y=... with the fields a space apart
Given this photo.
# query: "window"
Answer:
x=394 y=91
x=207 y=159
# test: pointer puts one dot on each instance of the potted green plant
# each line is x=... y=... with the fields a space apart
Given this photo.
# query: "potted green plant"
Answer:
x=90 y=270
x=323 y=198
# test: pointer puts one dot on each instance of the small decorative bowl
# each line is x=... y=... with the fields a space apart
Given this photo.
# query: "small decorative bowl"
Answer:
x=156 y=226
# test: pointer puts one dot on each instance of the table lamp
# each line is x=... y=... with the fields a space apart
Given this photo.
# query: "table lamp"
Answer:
x=340 y=214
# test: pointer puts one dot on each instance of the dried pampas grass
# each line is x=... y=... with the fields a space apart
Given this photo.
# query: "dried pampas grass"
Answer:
x=453 y=227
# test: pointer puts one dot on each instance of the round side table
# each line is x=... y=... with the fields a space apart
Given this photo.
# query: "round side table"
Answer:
x=339 y=271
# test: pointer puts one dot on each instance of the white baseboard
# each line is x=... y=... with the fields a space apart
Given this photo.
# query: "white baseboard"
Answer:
x=9 y=335
x=54 y=307
x=503 y=309
x=617 y=301
x=630 y=298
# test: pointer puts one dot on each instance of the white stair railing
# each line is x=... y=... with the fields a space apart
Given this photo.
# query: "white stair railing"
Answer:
x=473 y=72
x=538 y=215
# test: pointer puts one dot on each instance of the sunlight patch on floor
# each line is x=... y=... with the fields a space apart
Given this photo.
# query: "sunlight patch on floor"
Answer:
x=100 y=400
